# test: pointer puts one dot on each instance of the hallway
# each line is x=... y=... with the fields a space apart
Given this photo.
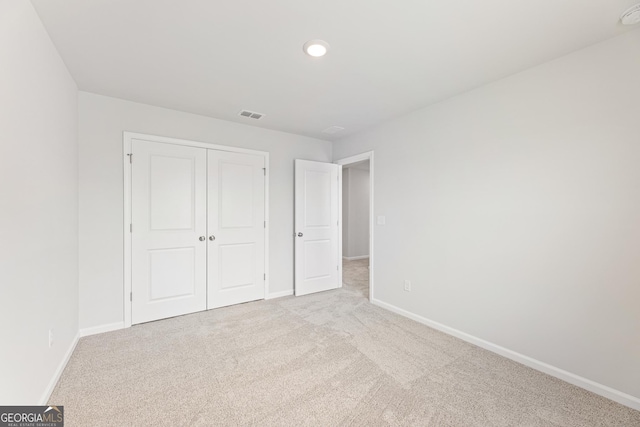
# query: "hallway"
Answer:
x=355 y=276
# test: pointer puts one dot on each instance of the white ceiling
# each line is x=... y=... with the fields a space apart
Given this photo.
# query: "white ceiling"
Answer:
x=387 y=58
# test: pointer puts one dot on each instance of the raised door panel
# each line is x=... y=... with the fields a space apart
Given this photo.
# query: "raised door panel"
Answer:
x=168 y=218
x=316 y=221
x=236 y=228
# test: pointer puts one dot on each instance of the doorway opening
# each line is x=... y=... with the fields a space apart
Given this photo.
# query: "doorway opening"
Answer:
x=357 y=230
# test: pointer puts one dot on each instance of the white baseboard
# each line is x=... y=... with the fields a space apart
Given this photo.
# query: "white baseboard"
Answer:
x=602 y=390
x=56 y=376
x=101 y=329
x=280 y=294
x=353 y=258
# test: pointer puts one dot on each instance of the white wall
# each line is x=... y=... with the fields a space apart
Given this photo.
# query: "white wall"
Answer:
x=38 y=207
x=355 y=212
x=515 y=211
x=102 y=121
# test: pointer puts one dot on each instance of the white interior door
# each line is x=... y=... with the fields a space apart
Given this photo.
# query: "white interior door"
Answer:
x=317 y=208
x=236 y=228
x=169 y=225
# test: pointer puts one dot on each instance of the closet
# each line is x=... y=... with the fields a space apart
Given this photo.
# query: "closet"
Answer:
x=197 y=228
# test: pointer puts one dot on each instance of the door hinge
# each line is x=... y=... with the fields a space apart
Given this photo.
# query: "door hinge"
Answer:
x=338 y=267
x=265 y=171
x=130 y=228
x=264 y=276
x=130 y=157
x=265 y=224
x=131 y=296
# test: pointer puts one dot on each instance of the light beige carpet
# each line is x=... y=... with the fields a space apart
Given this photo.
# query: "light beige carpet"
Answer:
x=329 y=359
x=355 y=276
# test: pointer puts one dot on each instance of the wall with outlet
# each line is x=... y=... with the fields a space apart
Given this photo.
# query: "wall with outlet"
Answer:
x=39 y=206
x=514 y=210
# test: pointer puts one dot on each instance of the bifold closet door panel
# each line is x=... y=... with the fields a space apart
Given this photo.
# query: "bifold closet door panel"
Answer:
x=236 y=237
x=169 y=227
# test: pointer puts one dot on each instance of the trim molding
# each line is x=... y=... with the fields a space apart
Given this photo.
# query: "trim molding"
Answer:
x=353 y=258
x=101 y=329
x=597 y=388
x=274 y=295
x=56 y=376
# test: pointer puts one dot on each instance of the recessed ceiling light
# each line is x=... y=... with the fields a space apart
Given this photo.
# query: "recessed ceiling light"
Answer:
x=316 y=48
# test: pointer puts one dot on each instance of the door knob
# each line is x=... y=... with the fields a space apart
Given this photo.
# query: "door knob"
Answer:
x=212 y=237
x=202 y=238
x=300 y=234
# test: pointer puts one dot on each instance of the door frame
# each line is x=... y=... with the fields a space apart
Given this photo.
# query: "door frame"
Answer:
x=127 y=138
x=368 y=155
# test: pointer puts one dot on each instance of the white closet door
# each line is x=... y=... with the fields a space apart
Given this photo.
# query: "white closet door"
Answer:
x=168 y=246
x=236 y=228
x=317 y=206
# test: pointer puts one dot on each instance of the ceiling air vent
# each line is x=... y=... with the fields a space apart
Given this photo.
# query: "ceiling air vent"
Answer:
x=333 y=129
x=251 y=114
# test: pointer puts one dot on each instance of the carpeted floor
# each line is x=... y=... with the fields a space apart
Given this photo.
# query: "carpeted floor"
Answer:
x=355 y=276
x=329 y=359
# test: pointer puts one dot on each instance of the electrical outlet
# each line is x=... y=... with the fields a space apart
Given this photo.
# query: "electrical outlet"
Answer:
x=407 y=285
x=50 y=338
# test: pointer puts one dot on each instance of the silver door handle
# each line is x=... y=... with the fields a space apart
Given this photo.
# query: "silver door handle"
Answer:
x=212 y=237
x=300 y=234
x=202 y=238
